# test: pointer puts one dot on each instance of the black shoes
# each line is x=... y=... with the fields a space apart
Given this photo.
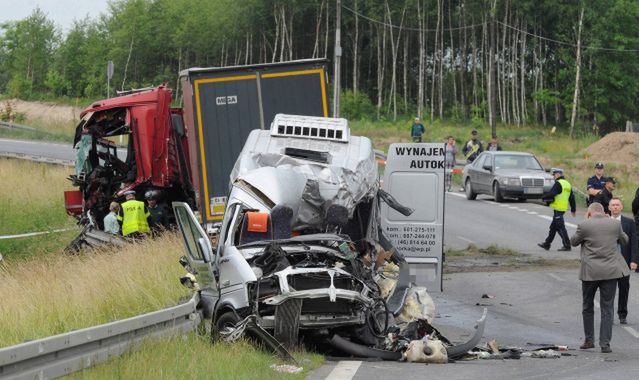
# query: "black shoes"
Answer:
x=544 y=246
x=606 y=350
x=623 y=321
x=564 y=249
x=587 y=344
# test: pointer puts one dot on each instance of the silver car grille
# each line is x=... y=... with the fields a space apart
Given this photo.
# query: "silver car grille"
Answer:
x=532 y=182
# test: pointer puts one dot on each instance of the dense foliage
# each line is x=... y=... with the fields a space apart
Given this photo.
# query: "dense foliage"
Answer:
x=429 y=57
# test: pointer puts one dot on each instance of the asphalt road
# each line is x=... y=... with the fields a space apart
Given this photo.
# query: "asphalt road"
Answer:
x=38 y=148
x=46 y=149
x=528 y=307
x=516 y=225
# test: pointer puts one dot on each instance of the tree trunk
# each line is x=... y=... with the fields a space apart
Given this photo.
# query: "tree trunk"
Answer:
x=356 y=51
x=453 y=61
x=394 y=51
x=522 y=74
x=575 y=99
x=381 y=60
x=435 y=58
x=491 y=71
x=420 y=73
x=441 y=60
x=318 y=27
x=405 y=60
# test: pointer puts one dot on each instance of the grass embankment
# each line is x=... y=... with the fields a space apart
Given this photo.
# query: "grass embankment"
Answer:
x=56 y=294
x=32 y=200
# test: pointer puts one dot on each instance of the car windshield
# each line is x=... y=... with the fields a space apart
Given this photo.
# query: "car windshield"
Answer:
x=517 y=162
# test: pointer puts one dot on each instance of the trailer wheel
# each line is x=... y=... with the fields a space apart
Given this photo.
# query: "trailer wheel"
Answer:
x=287 y=322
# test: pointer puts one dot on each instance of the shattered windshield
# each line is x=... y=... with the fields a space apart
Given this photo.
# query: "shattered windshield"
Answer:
x=82 y=155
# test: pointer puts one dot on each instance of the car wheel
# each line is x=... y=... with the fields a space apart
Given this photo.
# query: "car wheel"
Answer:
x=227 y=319
x=470 y=194
x=287 y=322
x=497 y=193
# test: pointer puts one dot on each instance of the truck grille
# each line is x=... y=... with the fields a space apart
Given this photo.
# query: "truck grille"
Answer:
x=532 y=182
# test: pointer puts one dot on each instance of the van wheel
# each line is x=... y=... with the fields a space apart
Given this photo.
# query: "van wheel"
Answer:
x=287 y=322
x=227 y=319
x=497 y=193
x=470 y=194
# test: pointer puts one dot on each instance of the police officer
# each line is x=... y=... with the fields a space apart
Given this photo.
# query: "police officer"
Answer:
x=561 y=197
x=473 y=147
x=159 y=219
x=134 y=217
x=596 y=183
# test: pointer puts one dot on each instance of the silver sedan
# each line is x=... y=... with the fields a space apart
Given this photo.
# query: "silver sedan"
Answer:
x=503 y=174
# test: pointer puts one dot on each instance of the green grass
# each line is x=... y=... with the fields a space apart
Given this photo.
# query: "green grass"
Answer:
x=473 y=251
x=40 y=134
x=32 y=200
x=194 y=357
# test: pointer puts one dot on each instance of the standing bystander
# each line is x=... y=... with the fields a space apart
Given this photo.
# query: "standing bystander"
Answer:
x=493 y=145
x=111 y=224
x=601 y=267
x=473 y=147
x=605 y=195
x=451 y=151
x=417 y=130
x=561 y=197
x=630 y=255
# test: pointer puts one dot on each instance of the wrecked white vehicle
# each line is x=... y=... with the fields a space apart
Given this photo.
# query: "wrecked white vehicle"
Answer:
x=300 y=251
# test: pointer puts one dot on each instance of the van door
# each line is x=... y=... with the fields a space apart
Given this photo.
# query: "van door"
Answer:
x=199 y=253
x=414 y=176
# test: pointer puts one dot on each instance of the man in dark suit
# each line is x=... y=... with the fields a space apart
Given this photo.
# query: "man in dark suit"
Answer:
x=629 y=253
x=601 y=267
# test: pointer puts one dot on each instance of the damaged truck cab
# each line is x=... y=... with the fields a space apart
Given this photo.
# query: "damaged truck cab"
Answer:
x=156 y=155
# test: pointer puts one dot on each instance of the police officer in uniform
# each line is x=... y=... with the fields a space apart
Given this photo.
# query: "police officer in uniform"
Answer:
x=596 y=183
x=134 y=217
x=561 y=197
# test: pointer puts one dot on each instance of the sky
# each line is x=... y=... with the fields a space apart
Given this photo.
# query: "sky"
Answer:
x=61 y=12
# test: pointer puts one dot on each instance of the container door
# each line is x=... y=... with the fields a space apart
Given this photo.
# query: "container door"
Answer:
x=414 y=176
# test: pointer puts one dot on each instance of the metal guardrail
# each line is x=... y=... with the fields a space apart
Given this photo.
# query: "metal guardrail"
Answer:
x=36 y=158
x=6 y=124
x=63 y=354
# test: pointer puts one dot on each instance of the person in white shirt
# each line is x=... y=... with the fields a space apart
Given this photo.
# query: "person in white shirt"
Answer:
x=629 y=252
x=111 y=224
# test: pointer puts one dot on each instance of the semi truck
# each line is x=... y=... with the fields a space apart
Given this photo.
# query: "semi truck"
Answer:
x=182 y=153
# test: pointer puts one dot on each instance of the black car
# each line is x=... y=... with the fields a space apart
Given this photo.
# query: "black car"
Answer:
x=503 y=174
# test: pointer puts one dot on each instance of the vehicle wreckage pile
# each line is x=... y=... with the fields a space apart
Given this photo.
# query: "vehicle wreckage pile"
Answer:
x=300 y=257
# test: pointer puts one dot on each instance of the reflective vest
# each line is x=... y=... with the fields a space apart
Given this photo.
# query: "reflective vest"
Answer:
x=133 y=217
x=561 y=200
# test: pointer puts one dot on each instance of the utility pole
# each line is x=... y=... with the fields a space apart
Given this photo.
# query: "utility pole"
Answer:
x=338 y=56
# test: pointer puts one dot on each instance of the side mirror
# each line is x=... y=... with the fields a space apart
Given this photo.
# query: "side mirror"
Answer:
x=205 y=248
x=488 y=167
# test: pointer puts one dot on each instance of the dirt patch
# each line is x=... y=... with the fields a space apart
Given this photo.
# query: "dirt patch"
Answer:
x=50 y=112
x=620 y=147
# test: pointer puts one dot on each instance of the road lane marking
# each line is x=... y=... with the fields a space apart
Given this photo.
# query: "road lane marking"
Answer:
x=596 y=304
x=457 y=194
x=532 y=213
x=632 y=331
x=555 y=277
x=344 y=370
x=546 y=217
x=571 y=225
x=466 y=240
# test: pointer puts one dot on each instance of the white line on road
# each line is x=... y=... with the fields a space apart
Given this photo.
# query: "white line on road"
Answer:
x=457 y=194
x=532 y=212
x=344 y=370
x=546 y=217
x=596 y=304
x=632 y=331
x=465 y=239
x=555 y=277
x=572 y=225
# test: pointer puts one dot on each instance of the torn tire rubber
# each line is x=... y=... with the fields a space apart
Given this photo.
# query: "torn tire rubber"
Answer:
x=361 y=351
x=287 y=322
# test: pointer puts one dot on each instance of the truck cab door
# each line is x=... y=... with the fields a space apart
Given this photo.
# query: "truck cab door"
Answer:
x=200 y=255
x=414 y=176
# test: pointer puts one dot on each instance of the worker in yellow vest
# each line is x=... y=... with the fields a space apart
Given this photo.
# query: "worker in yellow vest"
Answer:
x=560 y=198
x=134 y=217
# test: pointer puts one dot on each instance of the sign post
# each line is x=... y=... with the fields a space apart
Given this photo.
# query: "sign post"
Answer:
x=415 y=176
x=109 y=76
